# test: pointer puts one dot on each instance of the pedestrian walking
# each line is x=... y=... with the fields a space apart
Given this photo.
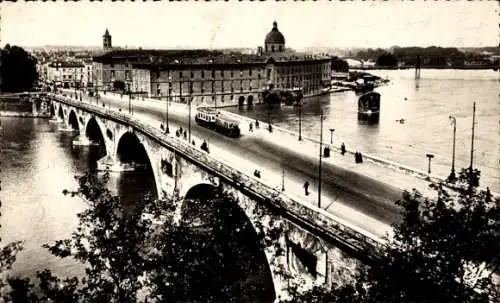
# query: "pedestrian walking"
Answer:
x=251 y=127
x=185 y=135
x=257 y=124
x=193 y=143
x=488 y=194
x=342 y=149
x=306 y=188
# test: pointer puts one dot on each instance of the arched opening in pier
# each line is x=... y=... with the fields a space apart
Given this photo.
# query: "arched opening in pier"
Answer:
x=60 y=113
x=73 y=121
x=241 y=101
x=250 y=100
x=133 y=158
x=224 y=246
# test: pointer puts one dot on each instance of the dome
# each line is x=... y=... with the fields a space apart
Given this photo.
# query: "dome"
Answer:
x=274 y=36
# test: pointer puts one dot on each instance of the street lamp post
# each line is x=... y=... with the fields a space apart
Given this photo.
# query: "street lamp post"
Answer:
x=300 y=121
x=430 y=156
x=331 y=135
x=129 y=99
x=320 y=152
x=452 y=173
x=189 y=121
x=269 y=122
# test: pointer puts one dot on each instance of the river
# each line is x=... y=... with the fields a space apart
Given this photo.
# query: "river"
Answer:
x=425 y=105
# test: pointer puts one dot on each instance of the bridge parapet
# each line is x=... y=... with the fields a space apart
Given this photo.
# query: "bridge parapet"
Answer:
x=350 y=237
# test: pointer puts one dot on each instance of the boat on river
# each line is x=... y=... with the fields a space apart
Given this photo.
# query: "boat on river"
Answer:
x=369 y=105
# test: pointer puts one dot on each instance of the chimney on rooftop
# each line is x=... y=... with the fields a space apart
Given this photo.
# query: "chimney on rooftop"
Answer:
x=260 y=51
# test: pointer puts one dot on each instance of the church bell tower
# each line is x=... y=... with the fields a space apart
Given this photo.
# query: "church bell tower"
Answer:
x=106 y=40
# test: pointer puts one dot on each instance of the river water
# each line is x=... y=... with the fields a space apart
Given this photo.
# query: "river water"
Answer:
x=429 y=102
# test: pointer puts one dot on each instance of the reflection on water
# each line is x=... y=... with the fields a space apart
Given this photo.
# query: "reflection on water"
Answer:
x=424 y=105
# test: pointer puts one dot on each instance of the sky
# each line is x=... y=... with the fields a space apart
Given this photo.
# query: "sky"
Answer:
x=219 y=24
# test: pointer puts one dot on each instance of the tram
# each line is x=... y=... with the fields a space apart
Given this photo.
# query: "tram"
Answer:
x=213 y=119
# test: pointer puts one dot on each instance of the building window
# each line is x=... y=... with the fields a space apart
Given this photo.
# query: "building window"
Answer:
x=250 y=88
x=232 y=97
x=180 y=74
x=222 y=73
x=202 y=73
x=232 y=73
x=192 y=75
x=250 y=72
x=213 y=73
x=241 y=73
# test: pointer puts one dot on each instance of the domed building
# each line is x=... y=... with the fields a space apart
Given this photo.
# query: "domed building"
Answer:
x=214 y=78
x=275 y=41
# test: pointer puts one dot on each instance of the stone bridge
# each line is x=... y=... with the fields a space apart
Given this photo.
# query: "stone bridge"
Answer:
x=311 y=243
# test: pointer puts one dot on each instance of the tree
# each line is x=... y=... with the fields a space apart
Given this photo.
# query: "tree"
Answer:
x=160 y=250
x=443 y=250
x=339 y=65
x=387 y=59
x=110 y=240
x=7 y=258
x=18 y=69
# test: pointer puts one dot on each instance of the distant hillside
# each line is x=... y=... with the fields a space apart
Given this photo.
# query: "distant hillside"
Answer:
x=491 y=49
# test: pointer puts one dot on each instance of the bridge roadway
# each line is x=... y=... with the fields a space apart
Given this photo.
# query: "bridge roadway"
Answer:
x=353 y=196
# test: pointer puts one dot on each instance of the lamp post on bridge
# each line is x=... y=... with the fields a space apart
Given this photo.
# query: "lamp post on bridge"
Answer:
x=300 y=121
x=169 y=97
x=331 y=135
x=430 y=156
x=320 y=154
x=452 y=177
x=190 y=99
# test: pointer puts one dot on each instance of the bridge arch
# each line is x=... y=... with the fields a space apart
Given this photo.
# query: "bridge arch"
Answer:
x=243 y=270
x=73 y=121
x=133 y=152
x=93 y=131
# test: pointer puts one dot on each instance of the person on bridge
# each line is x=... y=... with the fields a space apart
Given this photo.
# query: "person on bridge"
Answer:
x=306 y=188
x=257 y=124
x=488 y=194
x=185 y=135
x=204 y=146
x=193 y=143
x=342 y=149
x=251 y=127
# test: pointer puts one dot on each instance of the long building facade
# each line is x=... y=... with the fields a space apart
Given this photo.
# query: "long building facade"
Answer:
x=214 y=78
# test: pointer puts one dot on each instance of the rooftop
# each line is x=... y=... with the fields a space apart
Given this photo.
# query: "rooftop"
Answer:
x=66 y=64
x=148 y=58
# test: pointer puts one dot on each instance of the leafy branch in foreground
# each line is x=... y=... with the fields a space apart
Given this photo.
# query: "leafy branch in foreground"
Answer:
x=443 y=250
